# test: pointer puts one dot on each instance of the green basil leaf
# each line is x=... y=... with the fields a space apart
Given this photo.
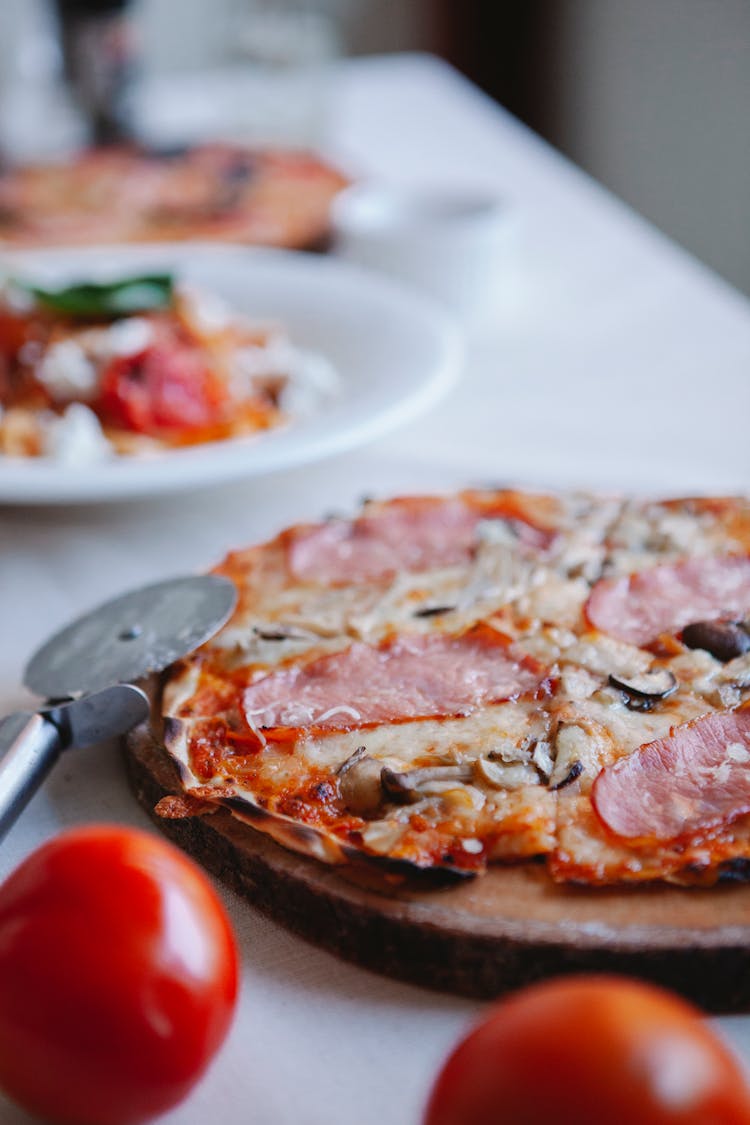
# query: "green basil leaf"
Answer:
x=110 y=299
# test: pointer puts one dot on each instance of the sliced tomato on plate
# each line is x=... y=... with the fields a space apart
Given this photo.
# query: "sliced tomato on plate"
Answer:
x=166 y=387
x=14 y=332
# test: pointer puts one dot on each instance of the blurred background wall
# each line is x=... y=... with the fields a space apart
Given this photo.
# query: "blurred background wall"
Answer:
x=652 y=97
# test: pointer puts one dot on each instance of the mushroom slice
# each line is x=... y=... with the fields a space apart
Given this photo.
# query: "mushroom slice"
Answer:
x=281 y=632
x=509 y=753
x=644 y=689
x=580 y=748
x=725 y=640
x=505 y=776
x=542 y=759
x=404 y=788
x=359 y=783
x=737 y=672
x=433 y=610
x=575 y=771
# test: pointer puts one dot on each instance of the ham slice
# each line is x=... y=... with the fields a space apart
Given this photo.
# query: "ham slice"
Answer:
x=694 y=781
x=637 y=607
x=417 y=533
x=411 y=677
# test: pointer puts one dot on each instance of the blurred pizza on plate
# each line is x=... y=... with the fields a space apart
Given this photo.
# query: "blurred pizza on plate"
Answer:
x=222 y=191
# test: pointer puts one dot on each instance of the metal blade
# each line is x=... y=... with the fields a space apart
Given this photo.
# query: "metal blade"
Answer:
x=31 y=744
x=131 y=636
x=95 y=718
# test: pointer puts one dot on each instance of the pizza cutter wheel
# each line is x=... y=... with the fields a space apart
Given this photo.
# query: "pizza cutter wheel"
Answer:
x=85 y=672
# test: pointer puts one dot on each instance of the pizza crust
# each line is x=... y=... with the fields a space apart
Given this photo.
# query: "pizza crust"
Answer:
x=478 y=939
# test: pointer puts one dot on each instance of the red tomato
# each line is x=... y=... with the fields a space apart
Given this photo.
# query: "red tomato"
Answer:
x=591 y=1051
x=165 y=387
x=118 y=977
x=14 y=332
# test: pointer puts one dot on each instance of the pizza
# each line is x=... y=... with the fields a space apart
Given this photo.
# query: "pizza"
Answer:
x=443 y=683
x=210 y=191
x=139 y=365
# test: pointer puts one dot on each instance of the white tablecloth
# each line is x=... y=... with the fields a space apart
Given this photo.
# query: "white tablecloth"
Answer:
x=616 y=360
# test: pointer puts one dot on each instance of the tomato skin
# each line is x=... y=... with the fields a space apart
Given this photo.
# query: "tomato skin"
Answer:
x=590 y=1051
x=15 y=330
x=118 y=977
x=166 y=387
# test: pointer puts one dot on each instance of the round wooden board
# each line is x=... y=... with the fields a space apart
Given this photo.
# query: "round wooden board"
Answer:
x=479 y=939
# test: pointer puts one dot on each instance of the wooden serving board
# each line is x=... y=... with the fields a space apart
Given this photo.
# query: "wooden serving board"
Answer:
x=483 y=937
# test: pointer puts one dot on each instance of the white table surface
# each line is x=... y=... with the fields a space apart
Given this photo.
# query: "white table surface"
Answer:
x=616 y=360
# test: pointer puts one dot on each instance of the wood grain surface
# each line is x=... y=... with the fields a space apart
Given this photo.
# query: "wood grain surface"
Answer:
x=483 y=937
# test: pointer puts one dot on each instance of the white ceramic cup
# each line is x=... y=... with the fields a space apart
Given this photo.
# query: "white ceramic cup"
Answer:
x=456 y=243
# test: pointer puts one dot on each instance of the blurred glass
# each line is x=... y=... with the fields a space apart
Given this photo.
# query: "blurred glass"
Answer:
x=286 y=47
x=66 y=69
x=99 y=50
x=269 y=82
x=37 y=115
x=77 y=71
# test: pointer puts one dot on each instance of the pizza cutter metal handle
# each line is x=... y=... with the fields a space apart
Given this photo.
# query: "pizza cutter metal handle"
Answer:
x=31 y=743
x=29 y=748
x=91 y=663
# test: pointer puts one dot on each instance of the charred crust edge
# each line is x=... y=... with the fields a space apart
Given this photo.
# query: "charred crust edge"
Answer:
x=414 y=945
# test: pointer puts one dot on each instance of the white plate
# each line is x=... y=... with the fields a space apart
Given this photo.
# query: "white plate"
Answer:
x=395 y=351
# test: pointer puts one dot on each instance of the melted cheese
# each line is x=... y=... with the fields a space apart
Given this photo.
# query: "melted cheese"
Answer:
x=525 y=767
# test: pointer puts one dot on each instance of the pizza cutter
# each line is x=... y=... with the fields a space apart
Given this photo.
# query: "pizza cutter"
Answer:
x=85 y=672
